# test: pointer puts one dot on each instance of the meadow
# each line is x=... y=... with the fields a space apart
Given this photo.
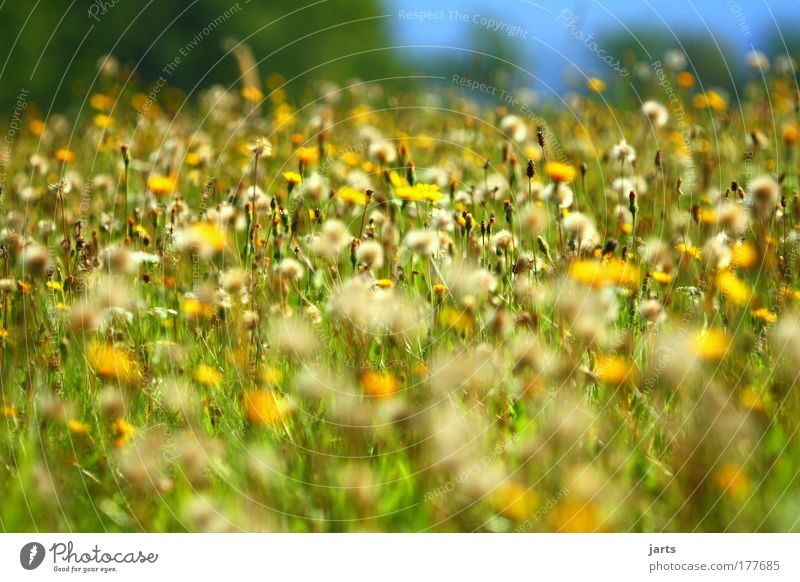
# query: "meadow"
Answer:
x=379 y=309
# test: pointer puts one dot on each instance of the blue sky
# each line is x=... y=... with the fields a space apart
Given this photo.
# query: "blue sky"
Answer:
x=544 y=37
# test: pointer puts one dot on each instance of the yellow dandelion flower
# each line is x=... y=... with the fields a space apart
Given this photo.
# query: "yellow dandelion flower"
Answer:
x=419 y=193
x=614 y=370
x=207 y=236
x=384 y=283
x=265 y=407
x=161 y=185
x=252 y=94
x=744 y=255
x=710 y=344
x=685 y=80
x=193 y=159
x=559 y=172
x=54 y=286
x=596 y=85
x=458 y=320
x=380 y=384
x=65 y=155
x=112 y=363
x=123 y=431
x=293 y=178
x=101 y=102
x=709 y=99
x=103 y=121
x=661 y=277
x=513 y=500
x=707 y=216
x=270 y=376
x=604 y=273
x=752 y=399
x=10 y=411
x=396 y=180
x=307 y=155
x=196 y=309
x=208 y=376
x=37 y=127
x=439 y=289
x=734 y=288
x=790 y=134
x=3 y=333
x=765 y=315
x=575 y=516
x=77 y=427
x=732 y=480
x=689 y=250
x=351 y=195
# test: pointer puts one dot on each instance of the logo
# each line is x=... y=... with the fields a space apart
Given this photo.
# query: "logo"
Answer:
x=31 y=555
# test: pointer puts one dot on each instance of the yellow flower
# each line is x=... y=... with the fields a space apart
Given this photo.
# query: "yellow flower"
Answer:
x=270 y=376
x=732 y=480
x=293 y=178
x=54 y=286
x=596 y=85
x=252 y=94
x=765 y=315
x=559 y=172
x=419 y=192
x=10 y=411
x=396 y=180
x=734 y=288
x=207 y=376
x=752 y=399
x=790 y=134
x=513 y=500
x=101 y=102
x=614 y=370
x=307 y=155
x=685 y=80
x=206 y=236
x=77 y=427
x=113 y=363
x=123 y=431
x=193 y=159
x=65 y=155
x=351 y=195
x=161 y=185
x=744 y=255
x=604 y=273
x=575 y=516
x=384 y=283
x=709 y=99
x=689 y=250
x=37 y=127
x=439 y=289
x=661 y=277
x=265 y=407
x=103 y=121
x=710 y=344
x=458 y=320
x=379 y=384
x=195 y=309
x=707 y=216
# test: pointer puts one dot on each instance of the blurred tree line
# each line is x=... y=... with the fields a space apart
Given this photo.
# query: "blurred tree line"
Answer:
x=52 y=47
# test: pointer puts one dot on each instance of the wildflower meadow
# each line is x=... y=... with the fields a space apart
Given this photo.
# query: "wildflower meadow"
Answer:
x=379 y=307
